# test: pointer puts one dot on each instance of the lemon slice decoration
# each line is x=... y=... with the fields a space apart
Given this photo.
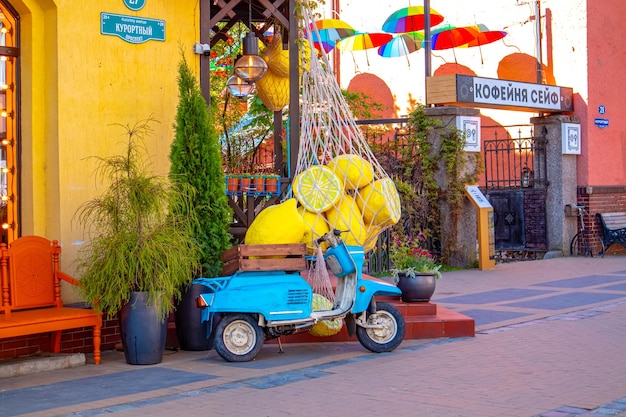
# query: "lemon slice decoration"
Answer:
x=317 y=188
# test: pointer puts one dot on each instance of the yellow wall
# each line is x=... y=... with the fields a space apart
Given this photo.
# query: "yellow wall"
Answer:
x=76 y=85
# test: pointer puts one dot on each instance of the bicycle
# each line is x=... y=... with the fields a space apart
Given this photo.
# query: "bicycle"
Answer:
x=585 y=240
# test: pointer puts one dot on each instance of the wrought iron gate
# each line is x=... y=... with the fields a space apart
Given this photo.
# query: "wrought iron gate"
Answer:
x=516 y=186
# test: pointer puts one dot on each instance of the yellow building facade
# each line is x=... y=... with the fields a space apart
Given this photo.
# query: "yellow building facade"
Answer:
x=77 y=72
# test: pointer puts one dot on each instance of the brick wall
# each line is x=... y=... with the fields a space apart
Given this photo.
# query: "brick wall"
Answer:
x=535 y=220
x=602 y=200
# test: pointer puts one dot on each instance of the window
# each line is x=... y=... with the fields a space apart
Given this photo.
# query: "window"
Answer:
x=9 y=54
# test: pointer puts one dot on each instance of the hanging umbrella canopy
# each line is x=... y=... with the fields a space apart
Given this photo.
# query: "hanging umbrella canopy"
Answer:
x=327 y=32
x=401 y=45
x=486 y=36
x=410 y=19
x=362 y=41
x=448 y=36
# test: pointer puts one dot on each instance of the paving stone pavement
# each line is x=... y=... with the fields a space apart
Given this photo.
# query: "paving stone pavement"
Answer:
x=550 y=336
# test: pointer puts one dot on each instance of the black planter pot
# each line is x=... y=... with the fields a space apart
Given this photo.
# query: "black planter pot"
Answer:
x=417 y=289
x=191 y=332
x=143 y=334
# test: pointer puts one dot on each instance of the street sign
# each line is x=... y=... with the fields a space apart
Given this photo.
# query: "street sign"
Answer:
x=132 y=29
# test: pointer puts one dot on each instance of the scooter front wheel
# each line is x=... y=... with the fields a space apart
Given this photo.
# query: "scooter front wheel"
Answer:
x=238 y=338
x=387 y=331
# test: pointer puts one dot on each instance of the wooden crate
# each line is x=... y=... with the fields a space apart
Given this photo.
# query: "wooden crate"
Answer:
x=287 y=257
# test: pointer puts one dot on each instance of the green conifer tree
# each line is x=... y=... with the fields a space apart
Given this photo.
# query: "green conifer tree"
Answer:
x=196 y=158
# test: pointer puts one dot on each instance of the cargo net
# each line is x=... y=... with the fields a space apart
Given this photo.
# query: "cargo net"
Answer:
x=338 y=182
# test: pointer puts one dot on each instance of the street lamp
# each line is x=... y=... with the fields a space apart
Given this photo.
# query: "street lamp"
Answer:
x=250 y=67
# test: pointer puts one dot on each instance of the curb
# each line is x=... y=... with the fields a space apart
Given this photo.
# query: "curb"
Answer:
x=41 y=364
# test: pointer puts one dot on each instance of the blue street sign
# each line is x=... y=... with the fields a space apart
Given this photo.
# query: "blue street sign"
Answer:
x=132 y=29
x=135 y=5
x=601 y=123
x=601 y=109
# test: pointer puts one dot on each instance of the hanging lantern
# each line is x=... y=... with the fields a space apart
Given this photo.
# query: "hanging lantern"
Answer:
x=250 y=67
x=238 y=87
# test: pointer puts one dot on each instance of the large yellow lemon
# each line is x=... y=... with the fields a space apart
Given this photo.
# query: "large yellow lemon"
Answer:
x=316 y=226
x=280 y=223
x=380 y=203
x=353 y=171
x=273 y=90
x=276 y=58
x=317 y=188
x=325 y=327
x=346 y=216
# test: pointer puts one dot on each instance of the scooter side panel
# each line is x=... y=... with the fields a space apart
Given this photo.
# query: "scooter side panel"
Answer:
x=367 y=289
x=275 y=294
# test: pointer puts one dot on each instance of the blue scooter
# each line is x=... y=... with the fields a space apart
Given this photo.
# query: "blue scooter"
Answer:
x=244 y=309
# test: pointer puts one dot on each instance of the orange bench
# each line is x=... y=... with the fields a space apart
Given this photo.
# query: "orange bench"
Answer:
x=31 y=294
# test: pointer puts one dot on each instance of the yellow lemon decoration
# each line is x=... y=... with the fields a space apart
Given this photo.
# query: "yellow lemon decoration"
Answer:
x=317 y=188
x=371 y=237
x=347 y=216
x=280 y=223
x=324 y=327
x=380 y=203
x=316 y=226
x=273 y=90
x=276 y=58
x=352 y=170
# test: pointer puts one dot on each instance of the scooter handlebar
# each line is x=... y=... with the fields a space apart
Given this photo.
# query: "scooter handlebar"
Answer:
x=333 y=237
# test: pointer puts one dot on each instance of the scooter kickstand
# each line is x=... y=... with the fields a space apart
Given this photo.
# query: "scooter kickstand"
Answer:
x=280 y=346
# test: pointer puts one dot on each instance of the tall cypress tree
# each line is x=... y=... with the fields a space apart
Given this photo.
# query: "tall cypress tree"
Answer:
x=196 y=158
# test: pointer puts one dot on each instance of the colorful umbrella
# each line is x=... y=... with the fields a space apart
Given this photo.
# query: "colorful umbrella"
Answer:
x=327 y=32
x=410 y=19
x=362 y=41
x=486 y=36
x=449 y=36
x=401 y=45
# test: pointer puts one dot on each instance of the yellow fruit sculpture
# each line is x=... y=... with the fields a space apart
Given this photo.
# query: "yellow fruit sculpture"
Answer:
x=276 y=58
x=316 y=227
x=346 y=216
x=380 y=203
x=280 y=223
x=324 y=327
x=353 y=171
x=273 y=90
x=317 y=188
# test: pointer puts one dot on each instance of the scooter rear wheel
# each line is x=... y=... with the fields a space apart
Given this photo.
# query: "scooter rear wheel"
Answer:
x=238 y=338
x=388 y=337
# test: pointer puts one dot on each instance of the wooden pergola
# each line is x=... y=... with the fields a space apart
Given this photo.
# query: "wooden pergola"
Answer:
x=264 y=13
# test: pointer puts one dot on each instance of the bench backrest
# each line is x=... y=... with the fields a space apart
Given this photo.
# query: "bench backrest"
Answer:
x=613 y=221
x=28 y=269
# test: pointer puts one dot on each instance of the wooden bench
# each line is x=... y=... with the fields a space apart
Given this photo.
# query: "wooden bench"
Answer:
x=614 y=229
x=31 y=294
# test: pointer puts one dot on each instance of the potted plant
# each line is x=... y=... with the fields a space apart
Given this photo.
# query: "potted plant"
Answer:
x=140 y=250
x=195 y=157
x=414 y=270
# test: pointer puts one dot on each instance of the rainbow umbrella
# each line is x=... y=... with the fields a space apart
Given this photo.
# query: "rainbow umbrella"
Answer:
x=410 y=19
x=449 y=36
x=401 y=45
x=327 y=32
x=364 y=41
x=485 y=36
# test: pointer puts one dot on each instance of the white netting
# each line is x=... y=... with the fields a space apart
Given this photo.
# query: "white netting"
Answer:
x=338 y=181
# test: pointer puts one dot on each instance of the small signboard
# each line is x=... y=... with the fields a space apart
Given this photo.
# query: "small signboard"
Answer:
x=132 y=29
x=135 y=5
x=470 y=126
x=570 y=138
x=469 y=91
x=601 y=122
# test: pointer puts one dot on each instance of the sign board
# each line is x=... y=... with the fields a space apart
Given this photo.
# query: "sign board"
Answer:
x=601 y=122
x=570 y=138
x=477 y=196
x=135 y=5
x=132 y=29
x=486 y=227
x=470 y=126
x=469 y=91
